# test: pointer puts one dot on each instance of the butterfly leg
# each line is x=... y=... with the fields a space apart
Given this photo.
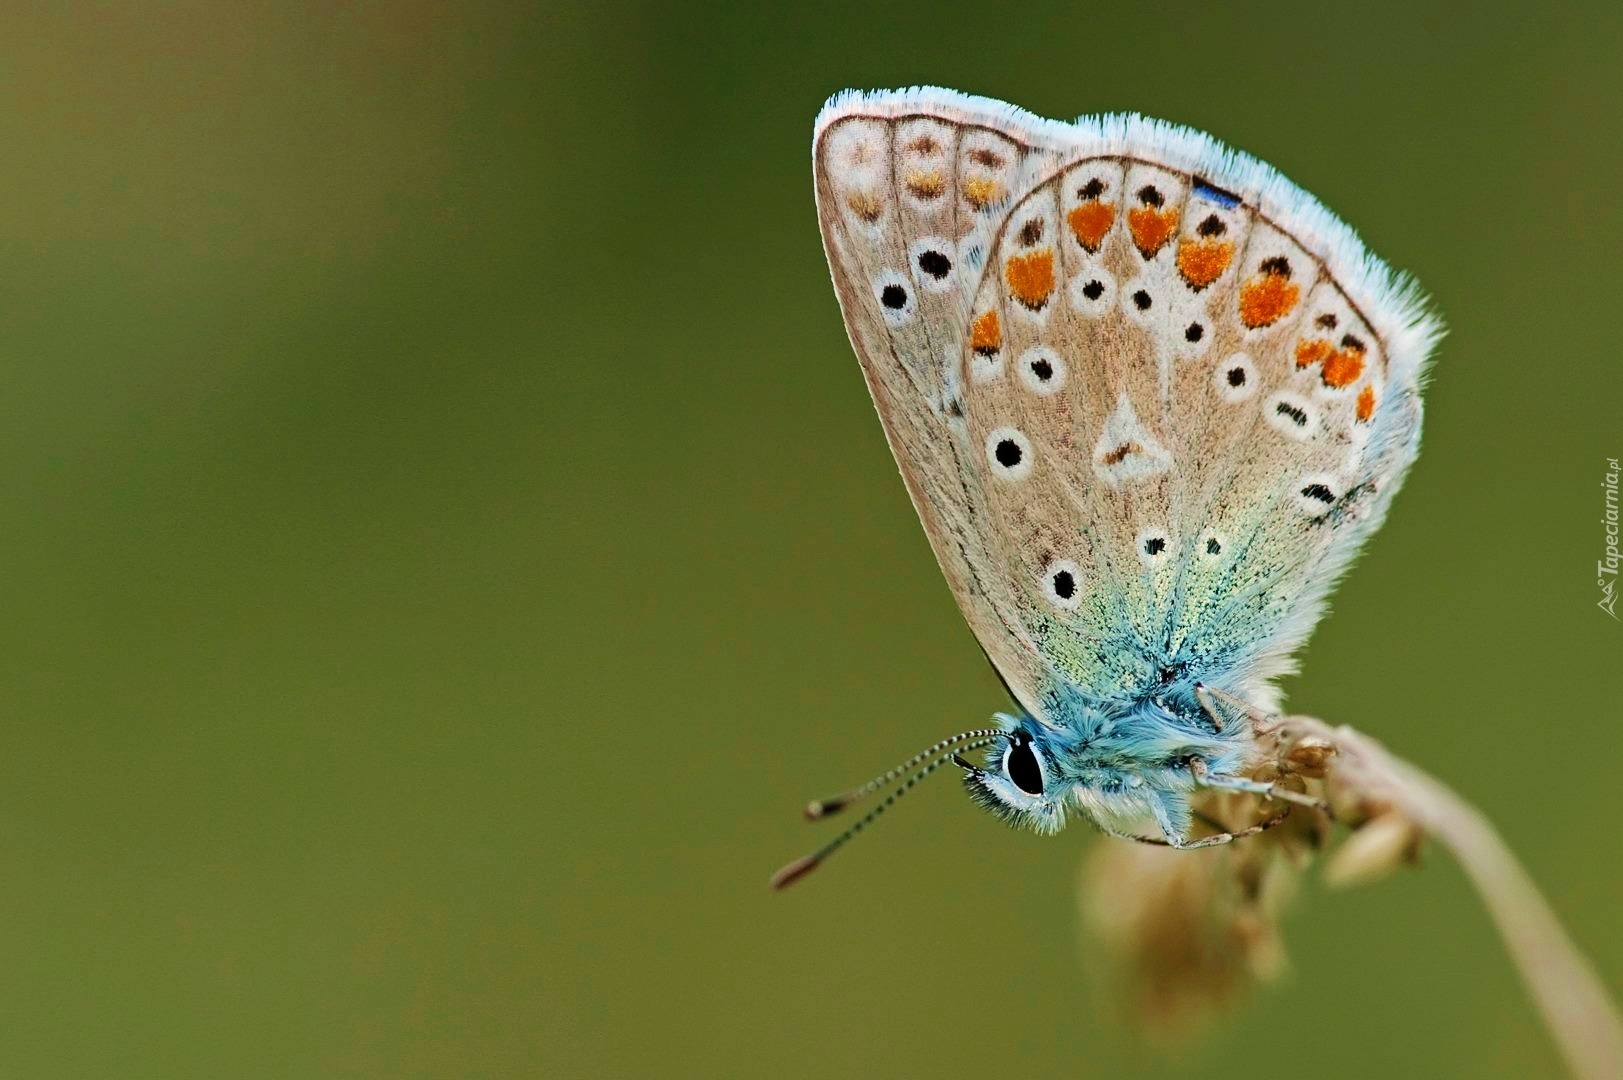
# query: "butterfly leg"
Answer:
x=1163 y=818
x=1262 y=723
x=1176 y=837
x=1219 y=782
x=1134 y=837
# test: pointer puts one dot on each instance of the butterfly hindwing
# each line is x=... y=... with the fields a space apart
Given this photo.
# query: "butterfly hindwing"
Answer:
x=1147 y=396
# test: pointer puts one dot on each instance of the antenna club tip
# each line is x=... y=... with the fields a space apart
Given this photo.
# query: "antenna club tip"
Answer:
x=794 y=872
x=821 y=808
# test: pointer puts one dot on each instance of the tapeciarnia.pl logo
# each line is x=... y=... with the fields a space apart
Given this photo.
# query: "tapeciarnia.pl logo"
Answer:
x=1608 y=565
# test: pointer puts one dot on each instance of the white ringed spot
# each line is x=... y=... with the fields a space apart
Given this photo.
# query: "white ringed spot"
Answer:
x=1235 y=378
x=1008 y=451
x=1292 y=415
x=931 y=260
x=1316 y=493
x=1154 y=547
x=1042 y=370
x=894 y=294
x=1092 y=292
x=1062 y=584
x=1211 y=546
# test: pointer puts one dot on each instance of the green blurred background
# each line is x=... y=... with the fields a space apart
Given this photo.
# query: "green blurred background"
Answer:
x=449 y=537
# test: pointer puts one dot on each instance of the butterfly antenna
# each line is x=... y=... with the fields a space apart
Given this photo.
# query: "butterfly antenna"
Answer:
x=807 y=863
x=821 y=808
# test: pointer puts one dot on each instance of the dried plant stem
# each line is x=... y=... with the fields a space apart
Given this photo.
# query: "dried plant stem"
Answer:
x=1575 y=1004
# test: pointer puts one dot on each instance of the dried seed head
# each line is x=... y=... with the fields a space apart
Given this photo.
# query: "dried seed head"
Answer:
x=1183 y=940
x=1189 y=937
x=1310 y=757
x=1373 y=851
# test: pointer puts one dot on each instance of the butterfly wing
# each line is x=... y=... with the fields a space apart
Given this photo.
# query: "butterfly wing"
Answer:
x=908 y=205
x=1147 y=396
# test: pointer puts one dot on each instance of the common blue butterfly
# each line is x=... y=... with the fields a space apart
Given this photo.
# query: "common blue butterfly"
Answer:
x=1149 y=398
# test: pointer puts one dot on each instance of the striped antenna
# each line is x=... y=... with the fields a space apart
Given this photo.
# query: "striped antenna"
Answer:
x=821 y=808
x=807 y=863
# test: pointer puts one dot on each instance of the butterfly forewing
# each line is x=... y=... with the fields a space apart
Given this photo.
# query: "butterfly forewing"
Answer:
x=907 y=208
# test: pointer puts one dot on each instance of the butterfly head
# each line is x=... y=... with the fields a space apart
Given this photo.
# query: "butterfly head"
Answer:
x=1020 y=780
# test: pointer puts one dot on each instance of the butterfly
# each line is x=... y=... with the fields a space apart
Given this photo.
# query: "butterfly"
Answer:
x=1149 y=398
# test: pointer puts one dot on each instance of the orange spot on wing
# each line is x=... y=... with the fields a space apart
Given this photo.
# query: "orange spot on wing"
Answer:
x=1151 y=227
x=926 y=185
x=865 y=205
x=1267 y=298
x=1310 y=351
x=1366 y=404
x=986 y=334
x=981 y=191
x=1202 y=262
x=1344 y=366
x=1121 y=453
x=1090 y=222
x=1031 y=277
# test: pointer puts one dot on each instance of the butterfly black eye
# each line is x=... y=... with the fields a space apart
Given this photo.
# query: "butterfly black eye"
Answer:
x=1021 y=765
